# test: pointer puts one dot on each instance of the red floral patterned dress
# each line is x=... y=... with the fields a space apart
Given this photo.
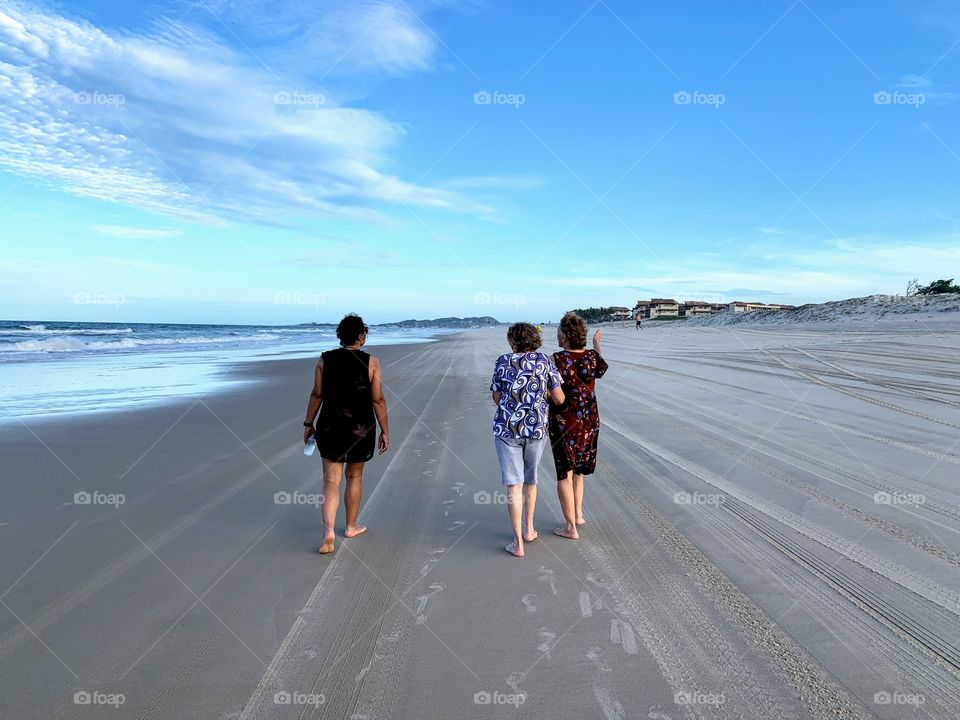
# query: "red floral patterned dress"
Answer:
x=575 y=425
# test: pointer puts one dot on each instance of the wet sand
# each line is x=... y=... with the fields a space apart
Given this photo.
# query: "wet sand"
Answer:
x=773 y=531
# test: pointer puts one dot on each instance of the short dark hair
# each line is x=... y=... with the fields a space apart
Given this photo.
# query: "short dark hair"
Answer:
x=351 y=328
x=574 y=329
x=524 y=337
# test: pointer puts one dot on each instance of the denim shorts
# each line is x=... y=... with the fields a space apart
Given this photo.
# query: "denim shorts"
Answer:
x=519 y=459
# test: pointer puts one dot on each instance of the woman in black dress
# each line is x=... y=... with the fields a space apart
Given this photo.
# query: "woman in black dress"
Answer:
x=348 y=392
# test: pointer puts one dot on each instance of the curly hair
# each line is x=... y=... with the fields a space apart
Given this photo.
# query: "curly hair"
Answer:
x=350 y=329
x=574 y=329
x=524 y=337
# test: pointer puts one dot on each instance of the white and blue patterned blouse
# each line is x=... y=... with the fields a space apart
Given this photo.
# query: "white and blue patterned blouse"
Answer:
x=523 y=379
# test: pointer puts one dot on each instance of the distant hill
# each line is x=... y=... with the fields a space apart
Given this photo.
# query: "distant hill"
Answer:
x=447 y=322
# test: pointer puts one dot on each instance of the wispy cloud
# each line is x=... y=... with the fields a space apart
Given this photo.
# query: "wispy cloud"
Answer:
x=133 y=233
x=141 y=265
x=925 y=86
x=772 y=231
x=812 y=271
x=496 y=182
x=180 y=121
x=339 y=37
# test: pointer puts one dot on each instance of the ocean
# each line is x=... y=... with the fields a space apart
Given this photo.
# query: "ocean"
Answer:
x=52 y=368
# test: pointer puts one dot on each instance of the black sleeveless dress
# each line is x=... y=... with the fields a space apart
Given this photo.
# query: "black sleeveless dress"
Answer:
x=346 y=429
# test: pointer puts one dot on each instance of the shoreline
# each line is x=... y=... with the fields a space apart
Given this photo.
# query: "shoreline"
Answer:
x=151 y=379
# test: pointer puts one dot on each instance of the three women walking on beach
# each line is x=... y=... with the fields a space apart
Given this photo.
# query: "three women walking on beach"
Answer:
x=348 y=393
x=523 y=381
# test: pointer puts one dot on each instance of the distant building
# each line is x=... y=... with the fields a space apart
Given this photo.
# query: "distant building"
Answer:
x=739 y=307
x=669 y=308
x=619 y=313
x=696 y=309
x=664 y=307
x=656 y=308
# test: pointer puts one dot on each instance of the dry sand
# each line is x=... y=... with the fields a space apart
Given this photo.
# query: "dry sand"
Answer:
x=773 y=532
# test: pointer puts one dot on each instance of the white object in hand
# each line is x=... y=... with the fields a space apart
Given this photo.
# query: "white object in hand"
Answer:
x=311 y=447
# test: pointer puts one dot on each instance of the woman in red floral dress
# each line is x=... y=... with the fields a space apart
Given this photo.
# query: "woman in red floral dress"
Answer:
x=575 y=425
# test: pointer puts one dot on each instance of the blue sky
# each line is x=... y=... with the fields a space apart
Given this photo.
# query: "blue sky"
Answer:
x=264 y=162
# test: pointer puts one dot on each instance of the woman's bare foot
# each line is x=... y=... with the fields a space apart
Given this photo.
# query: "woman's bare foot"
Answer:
x=530 y=536
x=581 y=521
x=326 y=547
x=513 y=549
x=565 y=533
x=354 y=531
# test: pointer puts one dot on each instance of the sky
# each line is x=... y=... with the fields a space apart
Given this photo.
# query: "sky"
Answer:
x=267 y=162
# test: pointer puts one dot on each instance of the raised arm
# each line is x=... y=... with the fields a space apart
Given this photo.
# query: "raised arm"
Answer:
x=596 y=342
x=602 y=366
x=379 y=405
x=313 y=404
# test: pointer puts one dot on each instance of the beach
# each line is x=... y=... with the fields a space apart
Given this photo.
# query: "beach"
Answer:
x=773 y=531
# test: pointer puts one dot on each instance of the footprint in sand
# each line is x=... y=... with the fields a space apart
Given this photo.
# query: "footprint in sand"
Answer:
x=513 y=681
x=456 y=524
x=423 y=599
x=591 y=578
x=595 y=655
x=656 y=713
x=586 y=607
x=358 y=678
x=612 y=710
x=621 y=633
x=547 y=636
x=527 y=601
x=431 y=561
x=546 y=575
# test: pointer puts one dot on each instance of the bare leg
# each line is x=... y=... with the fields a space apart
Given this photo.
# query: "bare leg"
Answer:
x=529 y=503
x=578 y=498
x=351 y=499
x=332 y=472
x=515 y=508
x=565 y=493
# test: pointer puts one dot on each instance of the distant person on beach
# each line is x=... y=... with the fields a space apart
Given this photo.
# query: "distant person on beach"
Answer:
x=522 y=381
x=575 y=424
x=347 y=391
x=638 y=322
